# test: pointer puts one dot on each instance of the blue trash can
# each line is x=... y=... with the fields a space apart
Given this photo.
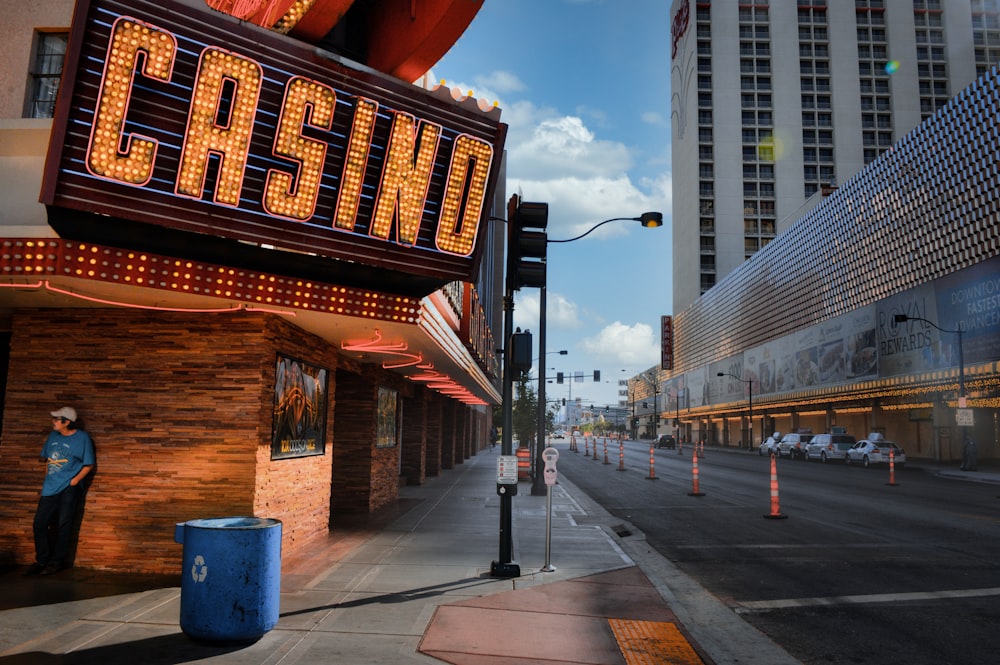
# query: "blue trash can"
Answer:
x=230 y=577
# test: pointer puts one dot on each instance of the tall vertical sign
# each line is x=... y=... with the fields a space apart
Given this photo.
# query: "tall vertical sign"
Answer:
x=667 y=342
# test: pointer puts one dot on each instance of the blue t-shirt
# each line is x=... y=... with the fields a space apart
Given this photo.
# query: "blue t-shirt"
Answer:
x=66 y=455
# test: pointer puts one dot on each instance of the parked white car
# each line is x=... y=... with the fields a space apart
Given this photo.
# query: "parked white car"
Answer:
x=770 y=445
x=876 y=450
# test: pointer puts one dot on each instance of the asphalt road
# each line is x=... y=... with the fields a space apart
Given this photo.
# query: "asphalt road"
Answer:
x=852 y=570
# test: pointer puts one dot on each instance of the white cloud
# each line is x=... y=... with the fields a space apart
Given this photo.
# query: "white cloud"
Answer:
x=565 y=146
x=561 y=313
x=559 y=159
x=619 y=344
x=653 y=118
x=500 y=81
x=526 y=308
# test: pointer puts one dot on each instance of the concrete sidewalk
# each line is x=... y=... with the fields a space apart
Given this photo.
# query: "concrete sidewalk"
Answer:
x=415 y=588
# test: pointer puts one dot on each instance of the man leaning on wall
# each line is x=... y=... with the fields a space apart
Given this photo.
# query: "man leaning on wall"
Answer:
x=68 y=455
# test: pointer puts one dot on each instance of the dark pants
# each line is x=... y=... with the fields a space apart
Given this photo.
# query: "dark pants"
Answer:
x=61 y=507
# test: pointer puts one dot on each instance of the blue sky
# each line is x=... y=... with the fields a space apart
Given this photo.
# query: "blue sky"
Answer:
x=584 y=86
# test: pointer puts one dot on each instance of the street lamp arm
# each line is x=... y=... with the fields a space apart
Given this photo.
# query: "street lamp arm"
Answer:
x=749 y=383
x=648 y=219
x=903 y=318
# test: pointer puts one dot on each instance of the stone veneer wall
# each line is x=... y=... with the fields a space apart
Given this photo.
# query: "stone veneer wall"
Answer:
x=179 y=406
x=435 y=412
x=365 y=477
x=415 y=439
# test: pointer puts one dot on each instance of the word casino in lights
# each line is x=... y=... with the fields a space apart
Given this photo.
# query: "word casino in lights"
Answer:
x=166 y=126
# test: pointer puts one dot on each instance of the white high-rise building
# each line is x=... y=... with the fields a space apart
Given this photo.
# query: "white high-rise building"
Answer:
x=774 y=102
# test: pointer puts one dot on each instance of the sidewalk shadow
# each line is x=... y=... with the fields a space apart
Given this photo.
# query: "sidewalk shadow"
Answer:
x=397 y=596
x=170 y=649
x=73 y=584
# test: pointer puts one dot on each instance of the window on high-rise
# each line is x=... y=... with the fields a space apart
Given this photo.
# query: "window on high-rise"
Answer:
x=932 y=71
x=874 y=78
x=814 y=85
x=46 y=70
x=986 y=34
x=707 y=281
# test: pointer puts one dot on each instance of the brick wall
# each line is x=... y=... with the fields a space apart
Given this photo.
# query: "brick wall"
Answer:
x=448 y=419
x=179 y=407
x=365 y=477
x=435 y=412
x=415 y=439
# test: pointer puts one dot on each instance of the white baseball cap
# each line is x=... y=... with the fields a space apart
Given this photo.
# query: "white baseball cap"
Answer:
x=67 y=412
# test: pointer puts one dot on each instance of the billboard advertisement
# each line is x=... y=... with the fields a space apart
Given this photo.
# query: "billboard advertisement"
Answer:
x=869 y=343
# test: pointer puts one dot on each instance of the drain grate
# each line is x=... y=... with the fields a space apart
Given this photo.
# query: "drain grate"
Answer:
x=621 y=530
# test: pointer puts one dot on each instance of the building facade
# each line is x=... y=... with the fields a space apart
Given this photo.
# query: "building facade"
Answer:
x=233 y=355
x=877 y=309
x=774 y=104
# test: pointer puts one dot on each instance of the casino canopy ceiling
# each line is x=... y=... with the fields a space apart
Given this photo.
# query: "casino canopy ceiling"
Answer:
x=403 y=38
x=186 y=130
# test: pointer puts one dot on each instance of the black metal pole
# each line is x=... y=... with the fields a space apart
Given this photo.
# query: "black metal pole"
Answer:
x=538 y=486
x=961 y=368
x=504 y=567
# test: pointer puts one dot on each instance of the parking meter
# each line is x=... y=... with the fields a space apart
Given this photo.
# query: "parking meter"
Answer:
x=549 y=456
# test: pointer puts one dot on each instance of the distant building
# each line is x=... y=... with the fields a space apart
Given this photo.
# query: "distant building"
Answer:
x=775 y=104
x=836 y=223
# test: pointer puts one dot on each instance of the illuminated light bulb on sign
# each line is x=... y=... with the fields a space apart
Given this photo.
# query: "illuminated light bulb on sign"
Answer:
x=135 y=165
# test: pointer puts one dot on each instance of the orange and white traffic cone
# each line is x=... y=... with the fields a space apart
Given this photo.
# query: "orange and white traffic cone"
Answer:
x=775 y=513
x=652 y=464
x=621 y=454
x=892 y=469
x=694 y=477
x=606 y=451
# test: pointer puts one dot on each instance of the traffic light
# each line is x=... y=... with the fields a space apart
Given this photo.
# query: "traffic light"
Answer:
x=520 y=344
x=527 y=243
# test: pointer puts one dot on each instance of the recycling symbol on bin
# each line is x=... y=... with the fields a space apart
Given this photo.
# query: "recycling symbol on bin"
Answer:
x=199 y=571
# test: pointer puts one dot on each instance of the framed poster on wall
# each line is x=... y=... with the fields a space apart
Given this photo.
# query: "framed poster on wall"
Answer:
x=386 y=433
x=298 y=426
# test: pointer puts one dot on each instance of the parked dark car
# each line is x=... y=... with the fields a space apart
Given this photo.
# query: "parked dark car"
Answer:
x=666 y=441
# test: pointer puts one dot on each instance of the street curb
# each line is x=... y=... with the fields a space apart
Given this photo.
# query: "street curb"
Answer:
x=716 y=628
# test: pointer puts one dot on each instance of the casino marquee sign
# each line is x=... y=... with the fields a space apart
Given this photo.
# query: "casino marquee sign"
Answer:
x=193 y=132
